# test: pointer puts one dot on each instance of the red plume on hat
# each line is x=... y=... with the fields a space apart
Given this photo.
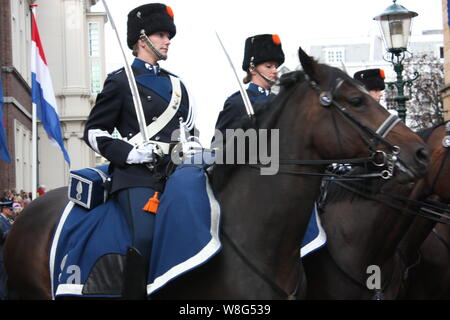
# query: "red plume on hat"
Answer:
x=261 y=48
x=276 y=39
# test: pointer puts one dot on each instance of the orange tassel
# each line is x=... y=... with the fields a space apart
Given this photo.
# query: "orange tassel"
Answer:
x=152 y=204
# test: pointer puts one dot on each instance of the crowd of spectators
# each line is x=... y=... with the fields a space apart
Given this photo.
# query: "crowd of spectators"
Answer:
x=20 y=199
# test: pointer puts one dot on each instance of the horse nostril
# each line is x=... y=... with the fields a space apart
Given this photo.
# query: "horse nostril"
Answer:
x=422 y=156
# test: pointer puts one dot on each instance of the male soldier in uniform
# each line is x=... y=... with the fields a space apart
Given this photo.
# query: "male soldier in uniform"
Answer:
x=373 y=81
x=6 y=221
x=139 y=170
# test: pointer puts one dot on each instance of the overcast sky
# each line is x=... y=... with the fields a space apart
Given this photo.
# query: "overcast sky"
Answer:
x=195 y=54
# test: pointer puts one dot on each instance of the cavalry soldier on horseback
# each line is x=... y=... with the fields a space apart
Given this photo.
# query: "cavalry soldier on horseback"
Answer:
x=263 y=55
x=140 y=168
x=373 y=81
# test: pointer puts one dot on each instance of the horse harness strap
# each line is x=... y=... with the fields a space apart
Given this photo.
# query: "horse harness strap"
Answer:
x=389 y=160
x=388 y=125
x=326 y=99
x=258 y=272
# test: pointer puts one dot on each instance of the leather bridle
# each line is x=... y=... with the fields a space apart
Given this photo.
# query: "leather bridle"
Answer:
x=390 y=160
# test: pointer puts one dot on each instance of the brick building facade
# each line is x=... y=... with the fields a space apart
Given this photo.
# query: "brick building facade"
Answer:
x=16 y=92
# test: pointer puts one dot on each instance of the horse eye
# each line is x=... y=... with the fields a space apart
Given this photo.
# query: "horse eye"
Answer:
x=356 y=102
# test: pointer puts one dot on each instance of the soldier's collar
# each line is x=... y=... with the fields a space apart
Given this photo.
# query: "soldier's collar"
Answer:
x=258 y=89
x=145 y=66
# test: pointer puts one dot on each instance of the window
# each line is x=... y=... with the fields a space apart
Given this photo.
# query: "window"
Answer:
x=96 y=76
x=334 y=55
x=94 y=39
x=22 y=152
x=21 y=38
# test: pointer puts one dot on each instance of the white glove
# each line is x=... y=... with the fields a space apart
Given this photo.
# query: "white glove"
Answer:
x=143 y=153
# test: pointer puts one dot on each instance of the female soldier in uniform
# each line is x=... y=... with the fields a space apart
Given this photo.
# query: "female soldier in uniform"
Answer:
x=262 y=56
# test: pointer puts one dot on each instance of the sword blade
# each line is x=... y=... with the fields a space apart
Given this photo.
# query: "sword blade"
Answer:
x=131 y=81
x=245 y=98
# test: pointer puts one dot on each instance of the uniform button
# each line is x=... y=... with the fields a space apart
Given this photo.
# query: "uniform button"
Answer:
x=149 y=98
x=154 y=118
x=157 y=138
x=130 y=134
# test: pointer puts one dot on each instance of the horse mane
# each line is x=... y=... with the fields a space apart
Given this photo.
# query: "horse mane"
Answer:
x=221 y=173
x=426 y=133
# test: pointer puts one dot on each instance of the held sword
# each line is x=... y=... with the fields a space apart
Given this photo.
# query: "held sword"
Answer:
x=132 y=82
x=244 y=95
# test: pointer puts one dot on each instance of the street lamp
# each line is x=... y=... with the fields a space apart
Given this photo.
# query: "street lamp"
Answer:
x=395 y=26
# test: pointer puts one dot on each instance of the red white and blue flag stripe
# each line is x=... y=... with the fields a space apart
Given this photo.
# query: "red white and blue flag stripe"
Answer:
x=42 y=91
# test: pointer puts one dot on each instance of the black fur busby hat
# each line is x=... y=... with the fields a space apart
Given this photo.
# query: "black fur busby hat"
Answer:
x=261 y=48
x=372 y=79
x=152 y=17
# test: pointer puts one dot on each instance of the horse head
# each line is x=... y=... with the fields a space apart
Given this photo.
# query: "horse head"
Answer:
x=340 y=119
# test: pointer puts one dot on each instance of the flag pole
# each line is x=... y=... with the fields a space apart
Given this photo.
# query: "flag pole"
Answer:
x=34 y=167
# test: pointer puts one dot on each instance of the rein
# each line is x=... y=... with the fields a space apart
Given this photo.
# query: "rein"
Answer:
x=423 y=211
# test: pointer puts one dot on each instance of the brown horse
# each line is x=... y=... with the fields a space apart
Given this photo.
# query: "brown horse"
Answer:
x=321 y=114
x=365 y=225
x=430 y=279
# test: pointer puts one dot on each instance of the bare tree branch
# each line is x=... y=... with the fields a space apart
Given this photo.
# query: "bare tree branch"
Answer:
x=425 y=107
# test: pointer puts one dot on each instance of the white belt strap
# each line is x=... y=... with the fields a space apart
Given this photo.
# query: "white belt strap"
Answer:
x=157 y=125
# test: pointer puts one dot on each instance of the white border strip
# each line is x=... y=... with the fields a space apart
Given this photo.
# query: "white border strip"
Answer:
x=70 y=288
x=318 y=241
x=64 y=216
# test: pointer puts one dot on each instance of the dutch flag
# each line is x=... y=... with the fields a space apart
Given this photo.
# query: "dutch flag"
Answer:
x=42 y=91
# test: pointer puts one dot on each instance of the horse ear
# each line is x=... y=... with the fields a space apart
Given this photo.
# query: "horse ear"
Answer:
x=309 y=65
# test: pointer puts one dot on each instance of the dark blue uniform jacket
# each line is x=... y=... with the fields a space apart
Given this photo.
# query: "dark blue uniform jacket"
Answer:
x=114 y=108
x=234 y=109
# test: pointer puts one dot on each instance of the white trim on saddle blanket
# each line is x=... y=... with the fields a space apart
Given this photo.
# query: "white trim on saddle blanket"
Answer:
x=52 y=255
x=315 y=236
x=186 y=234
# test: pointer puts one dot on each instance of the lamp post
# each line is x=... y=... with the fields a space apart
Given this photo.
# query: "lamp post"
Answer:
x=395 y=26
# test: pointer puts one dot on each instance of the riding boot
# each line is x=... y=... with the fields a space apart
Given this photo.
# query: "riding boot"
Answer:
x=134 y=276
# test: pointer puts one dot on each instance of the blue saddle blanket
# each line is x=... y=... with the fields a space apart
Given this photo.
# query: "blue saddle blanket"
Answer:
x=186 y=235
x=314 y=237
